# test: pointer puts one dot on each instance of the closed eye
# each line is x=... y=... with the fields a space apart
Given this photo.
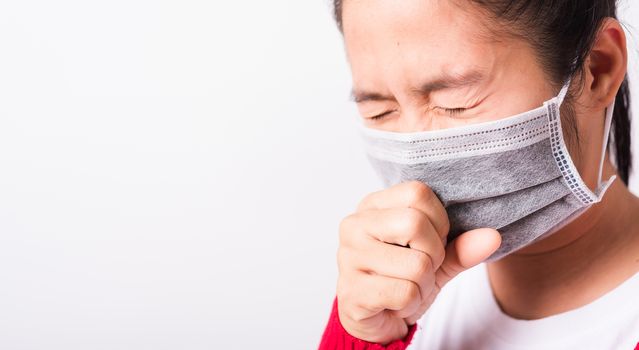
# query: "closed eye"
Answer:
x=452 y=112
x=381 y=116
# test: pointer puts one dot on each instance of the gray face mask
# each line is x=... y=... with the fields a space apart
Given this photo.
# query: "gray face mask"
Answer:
x=514 y=174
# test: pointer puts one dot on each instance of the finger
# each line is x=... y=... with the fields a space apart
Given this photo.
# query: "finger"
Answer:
x=412 y=194
x=423 y=307
x=375 y=293
x=466 y=251
x=406 y=227
x=399 y=262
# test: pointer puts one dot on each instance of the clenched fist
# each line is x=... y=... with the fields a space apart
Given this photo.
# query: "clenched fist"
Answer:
x=393 y=260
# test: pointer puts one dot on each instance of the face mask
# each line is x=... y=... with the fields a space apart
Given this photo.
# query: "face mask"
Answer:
x=514 y=174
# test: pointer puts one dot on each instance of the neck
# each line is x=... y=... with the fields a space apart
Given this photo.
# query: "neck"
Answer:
x=574 y=266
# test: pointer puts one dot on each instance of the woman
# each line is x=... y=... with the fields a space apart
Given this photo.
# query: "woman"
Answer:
x=506 y=222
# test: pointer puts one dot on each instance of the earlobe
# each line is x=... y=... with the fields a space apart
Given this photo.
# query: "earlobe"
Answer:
x=607 y=63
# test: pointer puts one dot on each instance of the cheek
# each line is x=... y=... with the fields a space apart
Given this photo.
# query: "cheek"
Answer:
x=510 y=101
x=583 y=143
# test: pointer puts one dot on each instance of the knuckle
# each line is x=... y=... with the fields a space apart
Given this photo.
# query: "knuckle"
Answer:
x=357 y=314
x=413 y=221
x=344 y=291
x=346 y=260
x=405 y=293
x=446 y=224
x=419 y=264
x=346 y=228
x=419 y=192
x=438 y=255
x=341 y=257
x=346 y=308
x=366 y=201
x=348 y=305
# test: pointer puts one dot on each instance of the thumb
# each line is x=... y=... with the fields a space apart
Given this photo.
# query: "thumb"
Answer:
x=466 y=251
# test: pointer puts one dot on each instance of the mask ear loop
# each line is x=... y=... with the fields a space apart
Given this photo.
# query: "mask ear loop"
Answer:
x=607 y=124
x=563 y=92
x=609 y=113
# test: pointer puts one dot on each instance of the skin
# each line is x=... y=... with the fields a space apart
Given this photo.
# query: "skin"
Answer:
x=393 y=49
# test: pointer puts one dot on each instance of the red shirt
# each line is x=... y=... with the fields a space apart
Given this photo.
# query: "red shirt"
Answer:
x=336 y=338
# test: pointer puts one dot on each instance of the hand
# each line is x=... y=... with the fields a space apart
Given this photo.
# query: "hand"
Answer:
x=393 y=261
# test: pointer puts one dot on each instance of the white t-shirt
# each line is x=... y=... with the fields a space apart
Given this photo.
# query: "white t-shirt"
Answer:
x=465 y=315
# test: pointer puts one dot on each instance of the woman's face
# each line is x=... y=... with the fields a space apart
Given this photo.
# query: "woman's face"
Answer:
x=425 y=64
x=421 y=65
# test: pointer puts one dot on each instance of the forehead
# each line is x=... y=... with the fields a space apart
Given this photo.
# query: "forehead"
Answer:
x=385 y=36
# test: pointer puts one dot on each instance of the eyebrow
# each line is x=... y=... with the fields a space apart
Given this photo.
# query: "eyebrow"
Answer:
x=443 y=82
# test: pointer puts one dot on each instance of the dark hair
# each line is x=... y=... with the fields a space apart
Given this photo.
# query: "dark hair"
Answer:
x=563 y=33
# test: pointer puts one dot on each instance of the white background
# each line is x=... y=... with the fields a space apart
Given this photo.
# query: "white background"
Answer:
x=173 y=173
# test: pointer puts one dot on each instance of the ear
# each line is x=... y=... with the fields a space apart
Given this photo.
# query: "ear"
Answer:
x=606 y=64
